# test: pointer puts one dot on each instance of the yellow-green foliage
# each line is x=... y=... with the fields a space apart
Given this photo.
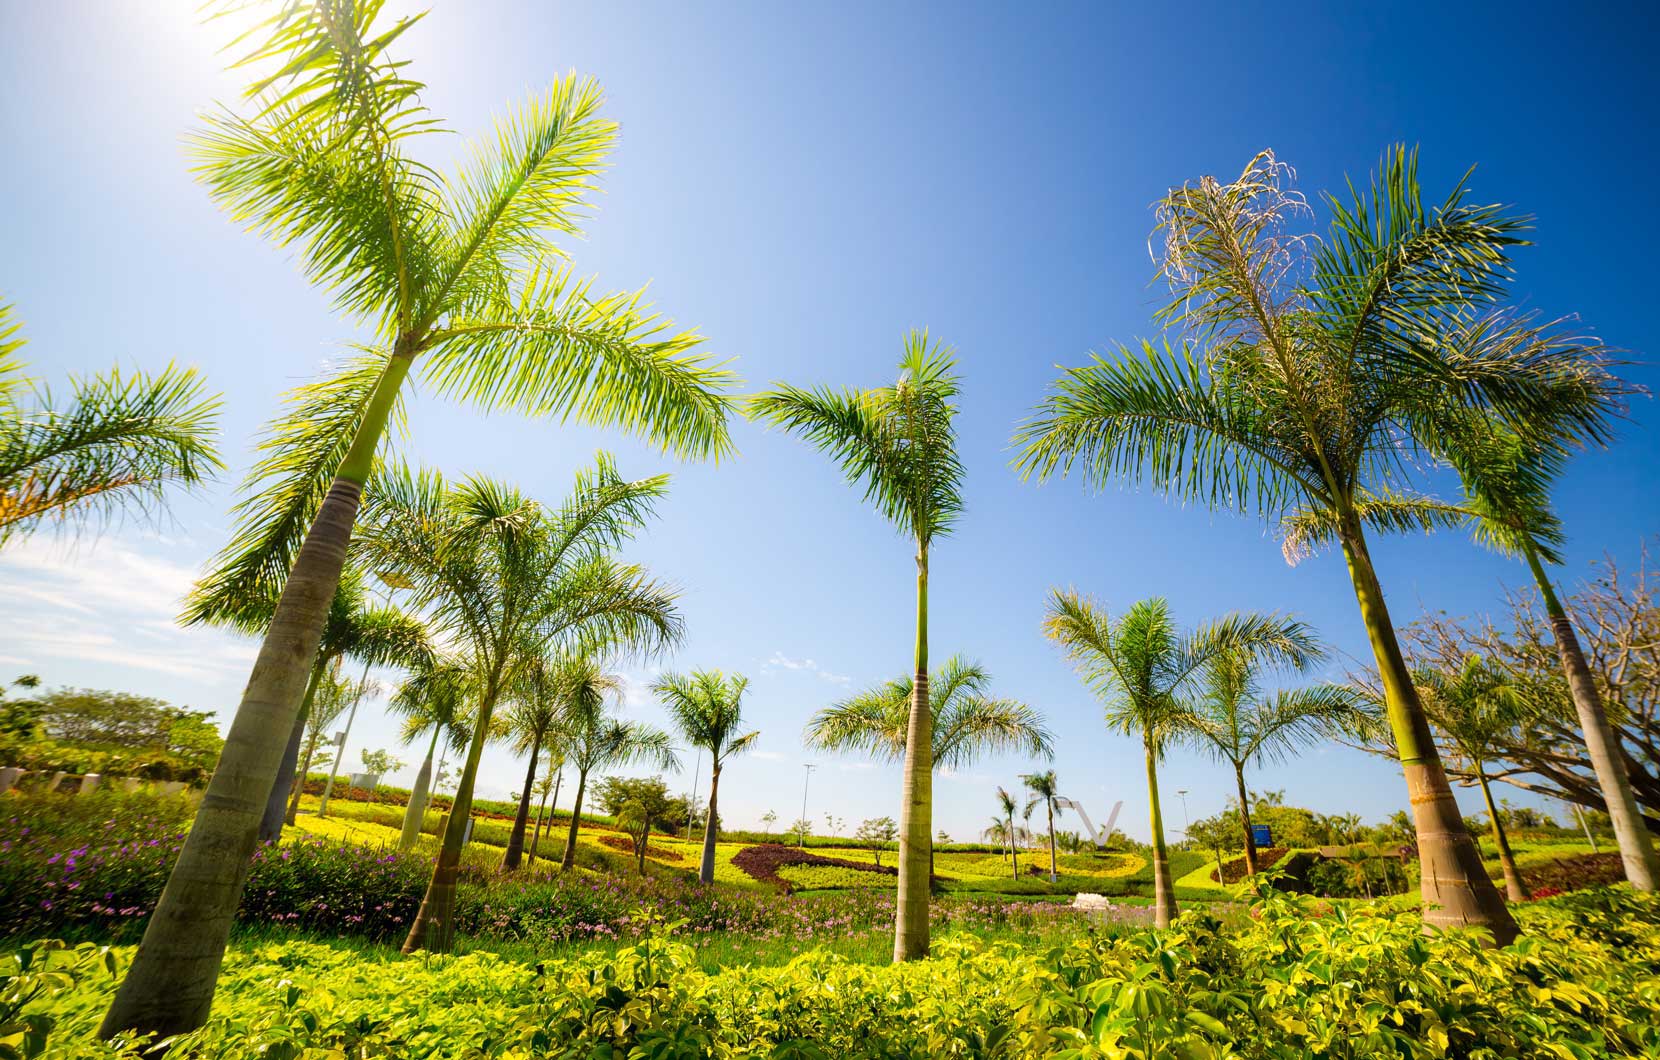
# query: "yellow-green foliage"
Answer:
x=1286 y=984
x=996 y=866
x=834 y=877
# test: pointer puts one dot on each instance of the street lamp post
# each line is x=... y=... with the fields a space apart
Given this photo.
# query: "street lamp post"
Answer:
x=801 y=840
x=1181 y=793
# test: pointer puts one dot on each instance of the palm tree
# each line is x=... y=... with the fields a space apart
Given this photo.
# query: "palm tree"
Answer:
x=1006 y=805
x=1235 y=721
x=707 y=708
x=327 y=700
x=1476 y=706
x=457 y=274
x=533 y=713
x=594 y=738
x=898 y=442
x=432 y=700
x=1315 y=368
x=547 y=787
x=120 y=443
x=1145 y=671
x=507 y=579
x=1045 y=790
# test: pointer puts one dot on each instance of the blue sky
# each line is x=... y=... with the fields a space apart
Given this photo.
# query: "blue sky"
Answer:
x=803 y=185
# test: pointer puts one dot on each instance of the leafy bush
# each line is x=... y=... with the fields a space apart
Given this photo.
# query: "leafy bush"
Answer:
x=1284 y=984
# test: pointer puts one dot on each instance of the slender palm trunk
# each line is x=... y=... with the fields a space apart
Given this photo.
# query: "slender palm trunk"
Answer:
x=640 y=854
x=345 y=734
x=300 y=778
x=276 y=804
x=1642 y=865
x=1514 y=887
x=521 y=820
x=536 y=829
x=170 y=983
x=916 y=833
x=1051 y=807
x=1164 y=888
x=1455 y=888
x=433 y=928
x=553 y=809
x=414 y=815
x=1014 y=848
x=568 y=858
x=706 y=869
x=1245 y=821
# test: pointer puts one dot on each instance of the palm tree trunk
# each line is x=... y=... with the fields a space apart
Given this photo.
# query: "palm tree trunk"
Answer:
x=521 y=819
x=300 y=778
x=170 y=983
x=1514 y=887
x=1642 y=865
x=1052 y=877
x=916 y=836
x=706 y=868
x=553 y=809
x=414 y=815
x=1014 y=849
x=568 y=858
x=433 y=928
x=536 y=829
x=1245 y=820
x=276 y=804
x=1455 y=888
x=1164 y=888
x=640 y=854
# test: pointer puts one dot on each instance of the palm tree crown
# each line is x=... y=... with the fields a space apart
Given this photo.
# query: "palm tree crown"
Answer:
x=969 y=722
x=707 y=708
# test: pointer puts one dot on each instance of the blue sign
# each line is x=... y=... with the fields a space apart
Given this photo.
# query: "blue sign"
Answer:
x=1262 y=835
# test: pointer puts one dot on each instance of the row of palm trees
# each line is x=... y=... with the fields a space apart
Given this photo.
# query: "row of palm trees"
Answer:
x=1301 y=380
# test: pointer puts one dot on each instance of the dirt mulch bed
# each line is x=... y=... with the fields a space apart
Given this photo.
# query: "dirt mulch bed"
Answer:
x=626 y=845
x=763 y=861
x=1235 y=869
x=1573 y=874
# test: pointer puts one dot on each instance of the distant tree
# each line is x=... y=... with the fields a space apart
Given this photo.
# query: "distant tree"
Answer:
x=941 y=837
x=380 y=761
x=768 y=819
x=1045 y=791
x=1006 y=807
x=639 y=804
x=801 y=826
x=876 y=833
x=707 y=708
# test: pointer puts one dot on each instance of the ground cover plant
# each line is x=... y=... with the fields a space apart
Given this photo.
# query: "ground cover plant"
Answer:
x=1283 y=982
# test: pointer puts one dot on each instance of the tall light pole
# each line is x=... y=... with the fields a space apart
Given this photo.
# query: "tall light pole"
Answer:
x=691 y=797
x=391 y=580
x=802 y=838
x=1181 y=793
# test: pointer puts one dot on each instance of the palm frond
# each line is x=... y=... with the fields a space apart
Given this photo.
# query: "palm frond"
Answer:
x=1307 y=530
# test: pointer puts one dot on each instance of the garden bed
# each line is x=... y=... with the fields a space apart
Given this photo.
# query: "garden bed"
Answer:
x=763 y=861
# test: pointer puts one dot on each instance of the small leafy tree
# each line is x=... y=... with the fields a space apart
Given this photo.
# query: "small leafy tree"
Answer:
x=876 y=833
x=380 y=761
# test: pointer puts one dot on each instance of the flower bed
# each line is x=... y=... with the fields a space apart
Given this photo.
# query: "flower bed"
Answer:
x=763 y=861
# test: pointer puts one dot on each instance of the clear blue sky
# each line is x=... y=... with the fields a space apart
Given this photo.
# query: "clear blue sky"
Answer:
x=803 y=185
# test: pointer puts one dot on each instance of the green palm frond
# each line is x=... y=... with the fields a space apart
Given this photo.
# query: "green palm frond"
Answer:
x=119 y=444
x=437 y=692
x=1232 y=718
x=898 y=442
x=1157 y=414
x=1476 y=705
x=284 y=489
x=556 y=348
x=1307 y=530
x=707 y=708
x=12 y=380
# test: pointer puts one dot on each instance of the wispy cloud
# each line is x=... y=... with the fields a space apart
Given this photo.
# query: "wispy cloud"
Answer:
x=780 y=661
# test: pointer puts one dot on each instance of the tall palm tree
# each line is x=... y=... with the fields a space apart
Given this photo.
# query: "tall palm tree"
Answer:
x=120 y=443
x=1235 y=721
x=1507 y=476
x=1475 y=706
x=595 y=738
x=506 y=579
x=1146 y=671
x=1006 y=805
x=899 y=443
x=433 y=701
x=548 y=788
x=456 y=275
x=707 y=708
x=1045 y=790
x=1311 y=370
x=532 y=715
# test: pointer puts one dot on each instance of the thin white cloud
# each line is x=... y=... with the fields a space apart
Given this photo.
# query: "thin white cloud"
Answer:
x=780 y=661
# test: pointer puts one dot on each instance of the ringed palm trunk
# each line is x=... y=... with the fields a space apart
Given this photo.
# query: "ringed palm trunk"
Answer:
x=1515 y=888
x=433 y=928
x=276 y=805
x=706 y=869
x=414 y=815
x=170 y=983
x=1642 y=865
x=1455 y=888
x=916 y=837
x=568 y=858
x=1245 y=821
x=1164 y=888
x=521 y=820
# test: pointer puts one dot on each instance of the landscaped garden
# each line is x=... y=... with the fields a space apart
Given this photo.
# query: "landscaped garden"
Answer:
x=193 y=884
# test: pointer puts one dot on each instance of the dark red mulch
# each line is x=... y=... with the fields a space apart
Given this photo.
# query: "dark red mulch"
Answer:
x=626 y=845
x=763 y=861
x=1574 y=873
x=1235 y=868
